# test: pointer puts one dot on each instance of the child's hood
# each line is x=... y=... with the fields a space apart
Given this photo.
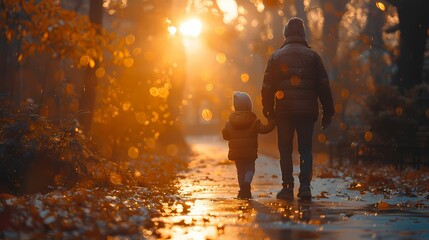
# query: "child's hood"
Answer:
x=242 y=119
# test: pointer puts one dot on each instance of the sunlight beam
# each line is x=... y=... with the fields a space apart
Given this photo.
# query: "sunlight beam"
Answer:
x=191 y=27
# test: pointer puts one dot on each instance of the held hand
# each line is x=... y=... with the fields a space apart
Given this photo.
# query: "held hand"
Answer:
x=325 y=123
x=268 y=114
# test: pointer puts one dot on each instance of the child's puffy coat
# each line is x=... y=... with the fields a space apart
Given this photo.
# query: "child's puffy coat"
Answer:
x=242 y=131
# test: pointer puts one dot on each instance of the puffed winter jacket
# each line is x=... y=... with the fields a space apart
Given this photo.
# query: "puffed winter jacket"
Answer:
x=241 y=131
x=294 y=80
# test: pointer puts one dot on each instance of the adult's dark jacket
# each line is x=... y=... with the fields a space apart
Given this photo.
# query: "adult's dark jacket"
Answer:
x=241 y=131
x=295 y=78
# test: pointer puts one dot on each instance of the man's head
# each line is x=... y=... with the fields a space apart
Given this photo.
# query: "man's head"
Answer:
x=294 y=27
x=242 y=101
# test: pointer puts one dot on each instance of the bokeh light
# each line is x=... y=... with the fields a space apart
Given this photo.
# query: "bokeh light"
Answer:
x=154 y=91
x=140 y=117
x=245 y=77
x=343 y=126
x=380 y=6
x=399 y=111
x=221 y=58
x=100 y=72
x=133 y=152
x=172 y=30
x=128 y=62
x=321 y=138
x=126 y=106
x=368 y=136
x=280 y=94
x=295 y=81
x=207 y=114
x=209 y=87
x=338 y=107
x=229 y=9
x=172 y=150
x=84 y=60
x=130 y=39
x=345 y=93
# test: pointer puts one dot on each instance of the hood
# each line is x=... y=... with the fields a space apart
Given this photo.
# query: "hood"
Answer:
x=242 y=119
x=242 y=101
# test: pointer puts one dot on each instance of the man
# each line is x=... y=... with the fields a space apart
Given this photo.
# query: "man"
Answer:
x=295 y=78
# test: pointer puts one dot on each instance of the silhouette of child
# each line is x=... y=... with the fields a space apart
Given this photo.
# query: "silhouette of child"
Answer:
x=241 y=130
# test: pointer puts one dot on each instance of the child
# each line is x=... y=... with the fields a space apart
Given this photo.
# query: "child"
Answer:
x=242 y=133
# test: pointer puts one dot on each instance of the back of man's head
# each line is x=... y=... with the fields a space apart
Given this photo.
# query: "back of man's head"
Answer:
x=294 y=27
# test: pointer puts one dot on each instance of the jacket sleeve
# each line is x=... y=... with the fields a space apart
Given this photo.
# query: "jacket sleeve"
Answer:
x=324 y=89
x=267 y=92
x=225 y=133
x=266 y=128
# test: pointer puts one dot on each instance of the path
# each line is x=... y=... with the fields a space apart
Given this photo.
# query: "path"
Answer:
x=210 y=211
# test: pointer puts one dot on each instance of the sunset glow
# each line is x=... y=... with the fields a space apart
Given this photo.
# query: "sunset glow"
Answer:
x=191 y=27
x=229 y=9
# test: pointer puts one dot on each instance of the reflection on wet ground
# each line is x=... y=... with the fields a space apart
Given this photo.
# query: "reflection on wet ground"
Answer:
x=208 y=208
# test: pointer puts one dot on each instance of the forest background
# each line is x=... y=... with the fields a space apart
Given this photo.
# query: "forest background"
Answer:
x=91 y=89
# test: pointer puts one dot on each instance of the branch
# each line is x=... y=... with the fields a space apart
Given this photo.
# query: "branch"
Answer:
x=392 y=29
x=395 y=3
x=26 y=14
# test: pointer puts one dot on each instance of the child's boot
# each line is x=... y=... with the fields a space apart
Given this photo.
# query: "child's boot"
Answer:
x=244 y=192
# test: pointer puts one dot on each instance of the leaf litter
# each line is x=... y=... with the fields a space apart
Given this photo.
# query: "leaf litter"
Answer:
x=96 y=212
x=378 y=179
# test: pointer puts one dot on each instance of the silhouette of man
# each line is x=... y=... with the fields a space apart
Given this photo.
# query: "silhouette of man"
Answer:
x=295 y=79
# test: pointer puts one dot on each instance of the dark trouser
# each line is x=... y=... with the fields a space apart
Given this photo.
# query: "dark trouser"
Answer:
x=245 y=172
x=286 y=127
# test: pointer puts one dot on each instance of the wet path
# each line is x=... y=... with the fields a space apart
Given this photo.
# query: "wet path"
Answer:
x=209 y=210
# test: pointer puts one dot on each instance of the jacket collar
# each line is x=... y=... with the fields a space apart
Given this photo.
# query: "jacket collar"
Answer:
x=295 y=39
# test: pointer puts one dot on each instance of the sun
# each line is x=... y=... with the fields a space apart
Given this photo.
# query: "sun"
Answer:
x=191 y=27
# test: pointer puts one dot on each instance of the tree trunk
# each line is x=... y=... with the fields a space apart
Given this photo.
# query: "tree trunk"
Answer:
x=373 y=40
x=333 y=13
x=10 y=82
x=87 y=100
x=6 y=82
x=413 y=25
x=300 y=12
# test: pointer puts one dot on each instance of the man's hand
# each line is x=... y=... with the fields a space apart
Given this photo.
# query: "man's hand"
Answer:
x=268 y=113
x=326 y=121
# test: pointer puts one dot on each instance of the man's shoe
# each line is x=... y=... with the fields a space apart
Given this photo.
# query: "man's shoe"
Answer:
x=244 y=194
x=286 y=194
x=304 y=193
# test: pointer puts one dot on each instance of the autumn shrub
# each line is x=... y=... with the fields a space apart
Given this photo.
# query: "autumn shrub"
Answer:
x=37 y=154
x=394 y=117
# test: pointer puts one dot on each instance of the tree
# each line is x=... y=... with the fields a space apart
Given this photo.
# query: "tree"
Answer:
x=333 y=13
x=46 y=29
x=372 y=39
x=87 y=100
x=413 y=26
